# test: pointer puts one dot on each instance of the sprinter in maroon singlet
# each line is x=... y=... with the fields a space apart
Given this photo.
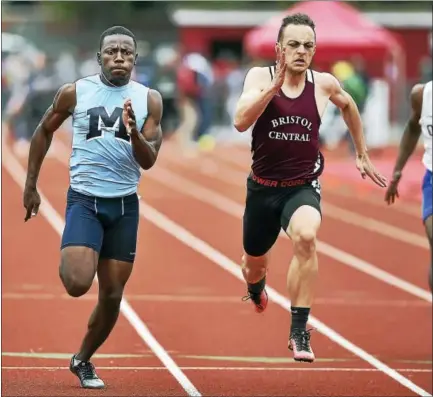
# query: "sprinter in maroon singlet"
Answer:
x=292 y=124
x=284 y=104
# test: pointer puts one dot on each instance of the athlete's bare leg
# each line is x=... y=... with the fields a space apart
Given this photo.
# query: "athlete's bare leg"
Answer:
x=302 y=274
x=254 y=270
x=77 y=272
x=301 y=277
x=77 y=269
x=254 y=267
x=112 y=277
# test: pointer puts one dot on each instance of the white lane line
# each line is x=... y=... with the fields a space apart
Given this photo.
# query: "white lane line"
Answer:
x=232 y=177
x=183 y=235
x=235 y=209
x=291 y=369
x=17 y=172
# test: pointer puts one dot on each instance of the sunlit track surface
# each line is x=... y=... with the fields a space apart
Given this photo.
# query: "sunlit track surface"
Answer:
x=181 y=292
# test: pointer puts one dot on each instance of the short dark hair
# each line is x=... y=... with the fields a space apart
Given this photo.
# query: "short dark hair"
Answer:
x=296 y=19
x=117 y=30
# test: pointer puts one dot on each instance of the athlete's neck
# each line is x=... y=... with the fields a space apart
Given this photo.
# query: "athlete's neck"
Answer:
x=109 y=83
x=294 y=80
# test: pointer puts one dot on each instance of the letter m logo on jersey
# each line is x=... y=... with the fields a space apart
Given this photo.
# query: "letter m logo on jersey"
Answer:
x=100 y=121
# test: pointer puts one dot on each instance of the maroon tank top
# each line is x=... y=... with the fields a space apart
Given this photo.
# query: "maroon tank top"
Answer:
x=285 y=138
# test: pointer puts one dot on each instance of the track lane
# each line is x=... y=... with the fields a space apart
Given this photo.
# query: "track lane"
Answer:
x=362 y=243
x=161 y=320
x=53 y=325
x=152 y=187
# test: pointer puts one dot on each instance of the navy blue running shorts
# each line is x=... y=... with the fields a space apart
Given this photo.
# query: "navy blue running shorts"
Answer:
x=427 y=193
x=107 y=225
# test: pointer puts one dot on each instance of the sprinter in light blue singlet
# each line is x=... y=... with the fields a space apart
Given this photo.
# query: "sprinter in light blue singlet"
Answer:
x=102 y=163
x=116 y=134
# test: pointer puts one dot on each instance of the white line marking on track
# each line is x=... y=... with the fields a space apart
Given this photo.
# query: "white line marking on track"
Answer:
x=235 y=209
x=224 y=369
x=232 y=177
x=183 y=235
x=17 y=172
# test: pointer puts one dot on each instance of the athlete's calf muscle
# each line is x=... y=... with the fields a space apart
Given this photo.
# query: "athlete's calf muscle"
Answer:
x=254 y=267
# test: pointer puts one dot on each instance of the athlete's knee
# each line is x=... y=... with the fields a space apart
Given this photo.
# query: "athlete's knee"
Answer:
x=304 y=241
x=77 y=270
x=111 y=295
x=254 y=267
x=113 y=276
x=75 y=286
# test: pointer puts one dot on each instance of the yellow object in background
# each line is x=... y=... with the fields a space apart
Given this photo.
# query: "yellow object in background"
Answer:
x=342 y=70
x=206 y=143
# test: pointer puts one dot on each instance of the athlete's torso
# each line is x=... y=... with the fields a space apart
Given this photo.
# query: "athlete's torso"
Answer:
x=102 y=163
x=285 y=138
x=426 y=125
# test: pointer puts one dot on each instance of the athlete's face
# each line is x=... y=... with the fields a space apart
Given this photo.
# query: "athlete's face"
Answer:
x=300 y=44
x=117 y=58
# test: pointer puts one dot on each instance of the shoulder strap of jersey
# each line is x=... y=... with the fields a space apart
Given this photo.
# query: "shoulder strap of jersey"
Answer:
x=271 y=72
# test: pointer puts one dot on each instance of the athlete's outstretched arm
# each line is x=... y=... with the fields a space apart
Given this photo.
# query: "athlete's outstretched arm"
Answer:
x=62 y=107
x=146 y=145
x=349 y=111
x=353 y=120
x=408 y=141
x=411 y=132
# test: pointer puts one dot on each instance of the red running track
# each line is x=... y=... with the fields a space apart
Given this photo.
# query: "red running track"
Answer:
x=193 y=308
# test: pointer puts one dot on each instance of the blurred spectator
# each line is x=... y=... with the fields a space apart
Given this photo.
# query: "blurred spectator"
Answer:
x=356 y=83
x=164 y=80
x=21 y=64
x=195 y=79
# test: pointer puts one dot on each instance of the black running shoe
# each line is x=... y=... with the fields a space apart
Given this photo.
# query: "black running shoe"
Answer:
x=85 y=371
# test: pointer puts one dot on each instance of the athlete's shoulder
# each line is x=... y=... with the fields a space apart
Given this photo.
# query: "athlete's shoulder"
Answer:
x=65 y=98
x=416 y=96
x=327 y=81
x=258 y=77
x=92 y=79
x=259 y=72
x=417 y=89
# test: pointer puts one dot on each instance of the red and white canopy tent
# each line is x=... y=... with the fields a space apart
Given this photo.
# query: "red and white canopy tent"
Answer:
x=342 y=32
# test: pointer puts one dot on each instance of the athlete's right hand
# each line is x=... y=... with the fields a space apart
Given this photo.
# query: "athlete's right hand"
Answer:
x=392 y=191
x=32 y=201
x=280 y=68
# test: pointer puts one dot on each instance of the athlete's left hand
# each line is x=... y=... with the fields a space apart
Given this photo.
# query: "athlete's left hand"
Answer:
x=366 y=168
x=128 y=117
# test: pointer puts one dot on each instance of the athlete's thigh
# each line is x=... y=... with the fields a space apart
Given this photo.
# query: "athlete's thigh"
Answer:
x=82 y=227
x=120 y=238
x=261 y=224
x=302 y=210
x=112 y=278
x=81 y=240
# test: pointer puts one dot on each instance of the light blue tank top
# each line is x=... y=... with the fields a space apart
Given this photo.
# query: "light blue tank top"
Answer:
x=102 y=163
